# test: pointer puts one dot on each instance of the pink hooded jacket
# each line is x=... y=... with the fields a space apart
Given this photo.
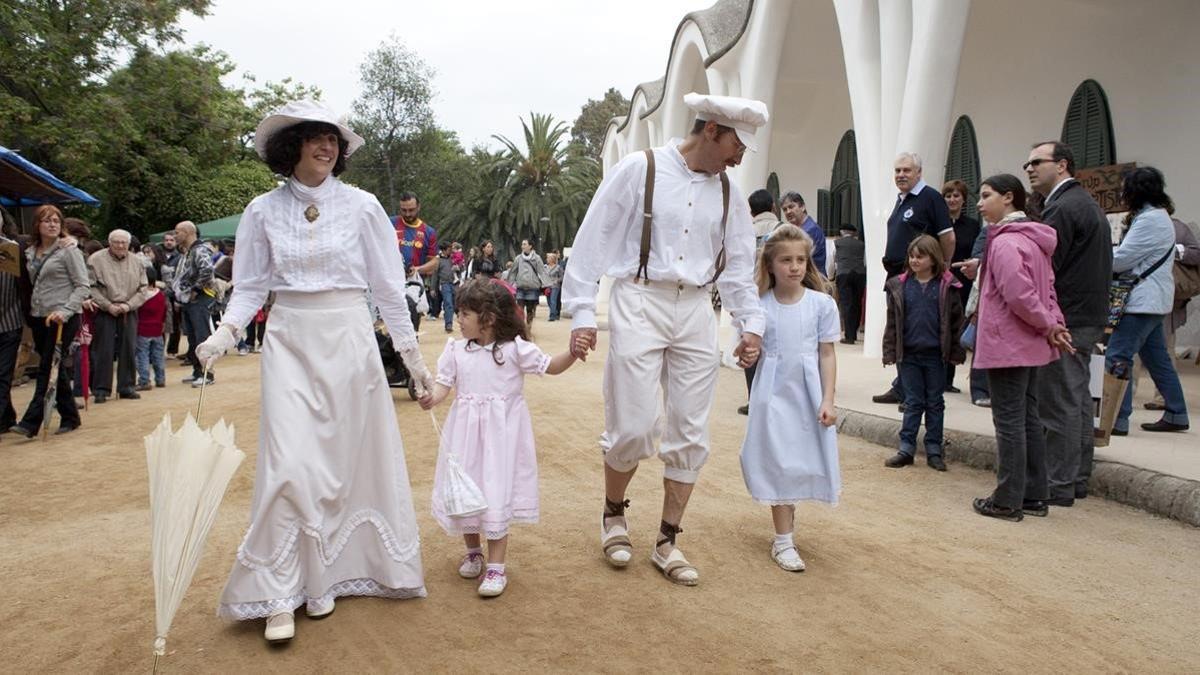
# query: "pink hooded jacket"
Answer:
x=1017 y=304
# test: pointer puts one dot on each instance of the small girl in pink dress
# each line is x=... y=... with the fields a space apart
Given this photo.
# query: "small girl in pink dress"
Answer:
x=488 y=426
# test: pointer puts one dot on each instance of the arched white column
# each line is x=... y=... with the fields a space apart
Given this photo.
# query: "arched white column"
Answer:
x=939 y=27
x=901 y=64
x=858 y=22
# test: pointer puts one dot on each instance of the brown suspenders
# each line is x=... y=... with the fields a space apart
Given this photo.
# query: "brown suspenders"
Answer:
x=647 y=217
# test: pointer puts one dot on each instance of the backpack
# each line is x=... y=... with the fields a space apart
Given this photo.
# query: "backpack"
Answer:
x=1187 y=279
x=1187 y=282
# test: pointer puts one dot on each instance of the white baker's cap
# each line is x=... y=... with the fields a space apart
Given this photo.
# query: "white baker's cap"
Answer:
x=743 y=115
x=303 y=111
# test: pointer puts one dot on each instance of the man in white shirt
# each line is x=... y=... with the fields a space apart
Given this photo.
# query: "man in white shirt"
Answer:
x=663 y=329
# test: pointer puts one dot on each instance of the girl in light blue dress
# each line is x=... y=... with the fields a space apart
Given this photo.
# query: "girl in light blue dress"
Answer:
x=790 y=451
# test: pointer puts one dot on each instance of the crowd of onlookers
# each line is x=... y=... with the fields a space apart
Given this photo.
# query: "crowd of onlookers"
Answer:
x=87 y=321
x=436 y=268
x=1033 y=292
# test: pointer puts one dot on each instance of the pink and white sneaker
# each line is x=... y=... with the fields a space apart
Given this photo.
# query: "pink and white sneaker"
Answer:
x=493 y=584
x=471 y=566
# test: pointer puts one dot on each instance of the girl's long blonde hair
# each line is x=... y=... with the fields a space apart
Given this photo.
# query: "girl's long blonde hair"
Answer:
x=781 y=235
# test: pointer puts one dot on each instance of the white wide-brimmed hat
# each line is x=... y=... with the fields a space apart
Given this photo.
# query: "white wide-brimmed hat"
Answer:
x=302 y=111
x=743 y=115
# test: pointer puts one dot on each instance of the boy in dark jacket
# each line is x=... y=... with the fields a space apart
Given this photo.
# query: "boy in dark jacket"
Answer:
x=924 y=319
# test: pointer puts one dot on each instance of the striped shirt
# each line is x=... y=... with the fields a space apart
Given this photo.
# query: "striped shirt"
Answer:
x=10 y=300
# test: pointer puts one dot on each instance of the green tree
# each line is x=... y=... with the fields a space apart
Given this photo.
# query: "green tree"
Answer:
x=592 y=123
x=547 y=188
x=467 y=217
x=161 y=139
x=56 y=54
x=392 y=109
x=226 y=191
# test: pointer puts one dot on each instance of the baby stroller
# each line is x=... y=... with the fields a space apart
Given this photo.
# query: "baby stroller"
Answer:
x=393 y=366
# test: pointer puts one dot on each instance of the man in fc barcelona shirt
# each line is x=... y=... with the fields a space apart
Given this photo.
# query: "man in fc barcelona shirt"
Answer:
x=417 y=240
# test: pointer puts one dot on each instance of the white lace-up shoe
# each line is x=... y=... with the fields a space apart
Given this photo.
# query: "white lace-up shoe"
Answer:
x=471 y=566
x=281 y=627
x=493 y=584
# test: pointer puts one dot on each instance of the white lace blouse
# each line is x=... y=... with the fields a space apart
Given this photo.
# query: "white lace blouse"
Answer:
x=350 y=245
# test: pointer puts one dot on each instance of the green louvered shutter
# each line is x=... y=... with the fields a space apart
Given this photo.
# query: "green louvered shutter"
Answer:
x=825 y=210
x=1087 y=127
x=962 y=162
x=845 y=195
x=773 y=186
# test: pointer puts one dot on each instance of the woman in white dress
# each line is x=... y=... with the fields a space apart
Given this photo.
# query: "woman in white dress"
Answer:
x=332 y=509
x=790 y=451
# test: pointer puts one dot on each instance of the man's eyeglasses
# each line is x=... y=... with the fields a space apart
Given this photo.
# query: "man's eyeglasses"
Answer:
x=1036 y=161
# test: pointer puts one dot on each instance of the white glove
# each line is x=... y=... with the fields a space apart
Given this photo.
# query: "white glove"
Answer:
x=221 y=341
x=417 y=370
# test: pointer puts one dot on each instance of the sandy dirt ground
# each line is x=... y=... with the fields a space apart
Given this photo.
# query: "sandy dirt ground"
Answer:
x=901 y=576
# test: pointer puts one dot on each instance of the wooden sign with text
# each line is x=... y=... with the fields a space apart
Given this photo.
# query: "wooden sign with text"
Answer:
x=1104 y=184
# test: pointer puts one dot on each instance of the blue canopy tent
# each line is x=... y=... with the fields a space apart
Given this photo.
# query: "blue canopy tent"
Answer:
x=23 y=183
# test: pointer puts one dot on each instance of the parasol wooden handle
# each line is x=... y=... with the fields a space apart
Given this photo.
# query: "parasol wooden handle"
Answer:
x=200 y=403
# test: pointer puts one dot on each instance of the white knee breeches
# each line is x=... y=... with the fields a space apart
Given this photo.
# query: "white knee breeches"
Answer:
x=662 y=360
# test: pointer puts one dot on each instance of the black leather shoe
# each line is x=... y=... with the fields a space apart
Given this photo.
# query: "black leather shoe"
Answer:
x=22 y=431
x=889 y=396
x=1035 y=507
x=986 y=507
x=898 y=460
x=1163 y=425
x=951 y=389
x=1081 y=491
x=65 y=429
x=130 y=394
x=936 y=462
x=1061 y=501
x=744 y=409
x=1118 y=432
x=100 y=398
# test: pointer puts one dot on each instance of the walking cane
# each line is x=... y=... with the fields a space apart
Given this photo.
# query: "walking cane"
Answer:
x=48 y=401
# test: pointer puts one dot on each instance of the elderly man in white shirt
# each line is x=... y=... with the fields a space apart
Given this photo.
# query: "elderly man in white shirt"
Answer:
x=663 y=329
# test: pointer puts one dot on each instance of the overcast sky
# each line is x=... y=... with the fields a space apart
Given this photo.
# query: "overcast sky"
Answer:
x=493 y=61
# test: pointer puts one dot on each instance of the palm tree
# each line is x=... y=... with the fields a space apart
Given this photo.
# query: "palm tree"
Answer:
x=467 y=217
x=547 y=186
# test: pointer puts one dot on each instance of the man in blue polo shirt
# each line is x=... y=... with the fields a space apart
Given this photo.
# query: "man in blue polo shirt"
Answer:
x=920 y=209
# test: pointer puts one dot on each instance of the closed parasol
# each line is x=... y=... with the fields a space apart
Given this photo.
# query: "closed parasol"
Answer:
x=189 y=471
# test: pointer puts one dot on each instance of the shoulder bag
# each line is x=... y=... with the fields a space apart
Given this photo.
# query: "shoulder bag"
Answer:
x=1122 y=285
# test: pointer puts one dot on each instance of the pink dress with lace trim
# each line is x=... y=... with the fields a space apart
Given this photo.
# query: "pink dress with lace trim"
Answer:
x=490 y=430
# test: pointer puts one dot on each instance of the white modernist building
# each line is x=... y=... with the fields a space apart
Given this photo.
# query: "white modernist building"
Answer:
x=967 y=84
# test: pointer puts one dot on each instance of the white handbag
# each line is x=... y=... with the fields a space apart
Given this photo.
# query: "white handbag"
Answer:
x=461 y=497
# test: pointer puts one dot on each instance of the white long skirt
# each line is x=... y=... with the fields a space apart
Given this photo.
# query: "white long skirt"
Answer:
x=332 y=511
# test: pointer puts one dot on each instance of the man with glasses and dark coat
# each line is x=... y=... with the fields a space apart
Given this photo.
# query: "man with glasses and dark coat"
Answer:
x=1082 y=270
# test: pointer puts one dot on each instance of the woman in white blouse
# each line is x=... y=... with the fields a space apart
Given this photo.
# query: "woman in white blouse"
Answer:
x=332 y=509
